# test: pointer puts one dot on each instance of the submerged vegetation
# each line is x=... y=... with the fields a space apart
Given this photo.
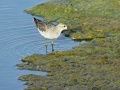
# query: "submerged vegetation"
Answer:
x=89 y=66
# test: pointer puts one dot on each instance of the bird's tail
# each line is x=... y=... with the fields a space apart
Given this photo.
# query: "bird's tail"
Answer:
x=39 y=24
x=36 y=21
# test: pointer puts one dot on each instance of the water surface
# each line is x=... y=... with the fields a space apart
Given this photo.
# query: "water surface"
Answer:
x=19 y=38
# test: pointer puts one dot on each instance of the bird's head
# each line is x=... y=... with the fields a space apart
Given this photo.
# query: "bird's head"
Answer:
x=62 y=26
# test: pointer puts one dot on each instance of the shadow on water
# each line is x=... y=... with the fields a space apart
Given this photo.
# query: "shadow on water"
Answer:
x=19 y=38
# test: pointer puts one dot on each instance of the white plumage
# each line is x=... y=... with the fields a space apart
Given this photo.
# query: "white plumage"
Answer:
x=49 y=31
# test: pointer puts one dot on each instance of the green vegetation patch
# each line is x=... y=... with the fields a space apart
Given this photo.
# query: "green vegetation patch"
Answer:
x=86 y=19
x=90 y=65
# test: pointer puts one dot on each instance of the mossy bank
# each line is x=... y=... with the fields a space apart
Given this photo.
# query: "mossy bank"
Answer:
x=86 y=19
x=90 y=66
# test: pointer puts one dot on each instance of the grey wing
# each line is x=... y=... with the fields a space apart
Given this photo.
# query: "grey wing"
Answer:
x=50 y=26
x=39 y=24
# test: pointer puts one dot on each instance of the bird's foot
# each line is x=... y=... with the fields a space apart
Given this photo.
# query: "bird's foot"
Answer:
x=52 y=47
x=46 y=48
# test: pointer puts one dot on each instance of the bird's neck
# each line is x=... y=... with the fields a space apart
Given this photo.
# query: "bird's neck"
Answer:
x=59 y=30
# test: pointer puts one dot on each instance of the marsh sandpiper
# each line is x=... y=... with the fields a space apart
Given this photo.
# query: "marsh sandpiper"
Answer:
x=49 y=30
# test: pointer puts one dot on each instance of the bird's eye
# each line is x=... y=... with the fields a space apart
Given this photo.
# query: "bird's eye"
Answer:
x=64 y=26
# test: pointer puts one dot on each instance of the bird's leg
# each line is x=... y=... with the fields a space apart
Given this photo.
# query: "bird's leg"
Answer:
x=52 y=45
x=46 y=44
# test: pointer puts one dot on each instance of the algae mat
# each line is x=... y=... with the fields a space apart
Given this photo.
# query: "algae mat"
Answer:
x=87 y=19
x=90 y=66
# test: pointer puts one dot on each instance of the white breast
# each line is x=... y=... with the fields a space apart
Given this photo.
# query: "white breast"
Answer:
x=50 y=34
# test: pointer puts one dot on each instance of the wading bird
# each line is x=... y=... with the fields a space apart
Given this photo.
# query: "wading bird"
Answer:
x=49 y=30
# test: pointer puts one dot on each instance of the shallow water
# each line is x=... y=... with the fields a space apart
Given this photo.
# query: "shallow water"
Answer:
x=19 y=38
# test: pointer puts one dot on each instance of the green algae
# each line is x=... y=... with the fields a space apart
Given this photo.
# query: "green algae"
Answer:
x=89 y=66
x=96 y=18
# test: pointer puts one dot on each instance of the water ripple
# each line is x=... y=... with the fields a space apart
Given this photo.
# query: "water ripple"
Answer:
x=18 y=38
